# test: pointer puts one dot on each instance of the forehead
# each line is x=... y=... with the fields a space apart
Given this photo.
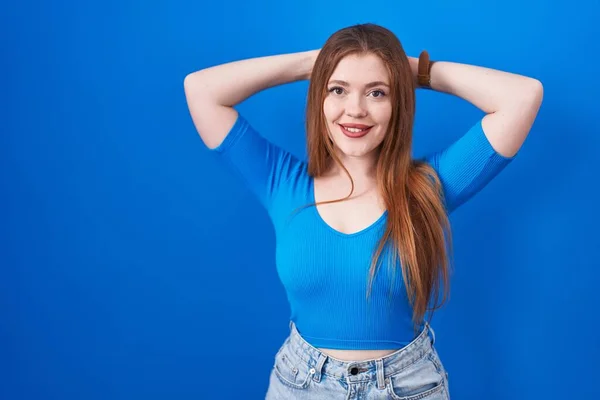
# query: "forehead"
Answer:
x=358 y=69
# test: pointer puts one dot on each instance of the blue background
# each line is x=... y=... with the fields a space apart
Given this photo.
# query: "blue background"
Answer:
x=134 y=266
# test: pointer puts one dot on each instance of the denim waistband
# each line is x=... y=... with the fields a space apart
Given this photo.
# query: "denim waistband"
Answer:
x=366 y=370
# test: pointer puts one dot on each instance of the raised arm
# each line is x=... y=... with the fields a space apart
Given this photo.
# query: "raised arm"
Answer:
x=211 y=93
x=511 y=101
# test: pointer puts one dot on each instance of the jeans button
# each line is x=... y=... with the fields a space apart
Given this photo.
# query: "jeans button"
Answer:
x=354 y=371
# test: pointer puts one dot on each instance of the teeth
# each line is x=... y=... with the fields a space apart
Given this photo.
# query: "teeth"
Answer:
x=354 y=130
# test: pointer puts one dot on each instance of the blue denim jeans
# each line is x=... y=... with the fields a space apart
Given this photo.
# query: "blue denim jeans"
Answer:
x=413 y=372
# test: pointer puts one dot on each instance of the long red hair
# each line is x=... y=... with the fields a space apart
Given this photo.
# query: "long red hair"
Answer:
x=417 y=227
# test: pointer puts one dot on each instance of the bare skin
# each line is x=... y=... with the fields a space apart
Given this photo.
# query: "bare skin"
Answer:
x=357 y=355
x=510 y=101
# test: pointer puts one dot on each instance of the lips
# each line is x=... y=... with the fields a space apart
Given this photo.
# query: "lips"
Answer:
x=355 y=133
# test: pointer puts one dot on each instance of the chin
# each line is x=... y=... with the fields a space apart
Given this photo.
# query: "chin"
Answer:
x=356 y=150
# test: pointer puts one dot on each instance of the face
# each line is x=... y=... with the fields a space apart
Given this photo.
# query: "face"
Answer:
x=357 y=107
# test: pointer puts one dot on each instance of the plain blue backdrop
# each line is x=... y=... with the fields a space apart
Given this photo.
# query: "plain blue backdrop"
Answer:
x=133 y=265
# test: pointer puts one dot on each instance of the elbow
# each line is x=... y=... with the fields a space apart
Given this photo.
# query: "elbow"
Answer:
x=195 y=86
x=186 y=80
x=524 y=94
x=187 y=87
x=536 y=91
x=536 y=96
x=189 y=80
x=194 y=79
x=533 y=93
x=528 y=96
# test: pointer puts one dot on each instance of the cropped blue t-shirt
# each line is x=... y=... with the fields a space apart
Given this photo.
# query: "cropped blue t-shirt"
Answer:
x=325 y=272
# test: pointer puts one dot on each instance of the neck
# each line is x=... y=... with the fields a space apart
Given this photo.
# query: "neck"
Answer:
x=362 y=169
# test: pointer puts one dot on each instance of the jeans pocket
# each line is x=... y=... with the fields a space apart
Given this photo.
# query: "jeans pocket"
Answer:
x=435 y=358
x=420 y=380
x=292 y=371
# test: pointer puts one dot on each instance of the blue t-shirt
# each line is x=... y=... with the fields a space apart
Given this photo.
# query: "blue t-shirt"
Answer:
x=325 y=272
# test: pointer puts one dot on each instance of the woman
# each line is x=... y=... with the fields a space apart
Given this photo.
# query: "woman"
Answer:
x=363 y=238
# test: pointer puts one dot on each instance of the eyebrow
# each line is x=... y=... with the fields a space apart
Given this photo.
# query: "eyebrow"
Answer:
x=368 y=85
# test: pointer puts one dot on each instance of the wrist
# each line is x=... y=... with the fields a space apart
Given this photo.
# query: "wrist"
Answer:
x=414 y=67
x=308 y=63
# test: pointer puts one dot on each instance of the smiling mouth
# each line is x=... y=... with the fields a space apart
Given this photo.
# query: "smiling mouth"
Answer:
x=354 y=132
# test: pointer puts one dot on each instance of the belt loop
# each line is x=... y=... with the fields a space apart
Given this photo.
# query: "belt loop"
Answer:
x=428 y=326
x=319 y=367
x=380 y=374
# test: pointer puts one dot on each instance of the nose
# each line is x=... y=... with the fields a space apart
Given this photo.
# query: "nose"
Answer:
x=355 y=107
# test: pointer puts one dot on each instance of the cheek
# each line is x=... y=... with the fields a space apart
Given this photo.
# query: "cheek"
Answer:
x=331 y=110
x=383 y=114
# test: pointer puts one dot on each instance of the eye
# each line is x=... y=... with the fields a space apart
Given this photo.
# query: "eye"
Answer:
x=335 y=90
x=381 y=93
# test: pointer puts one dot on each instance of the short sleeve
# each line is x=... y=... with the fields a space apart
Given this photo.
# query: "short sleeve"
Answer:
x=467 y=166
x=260 y=164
